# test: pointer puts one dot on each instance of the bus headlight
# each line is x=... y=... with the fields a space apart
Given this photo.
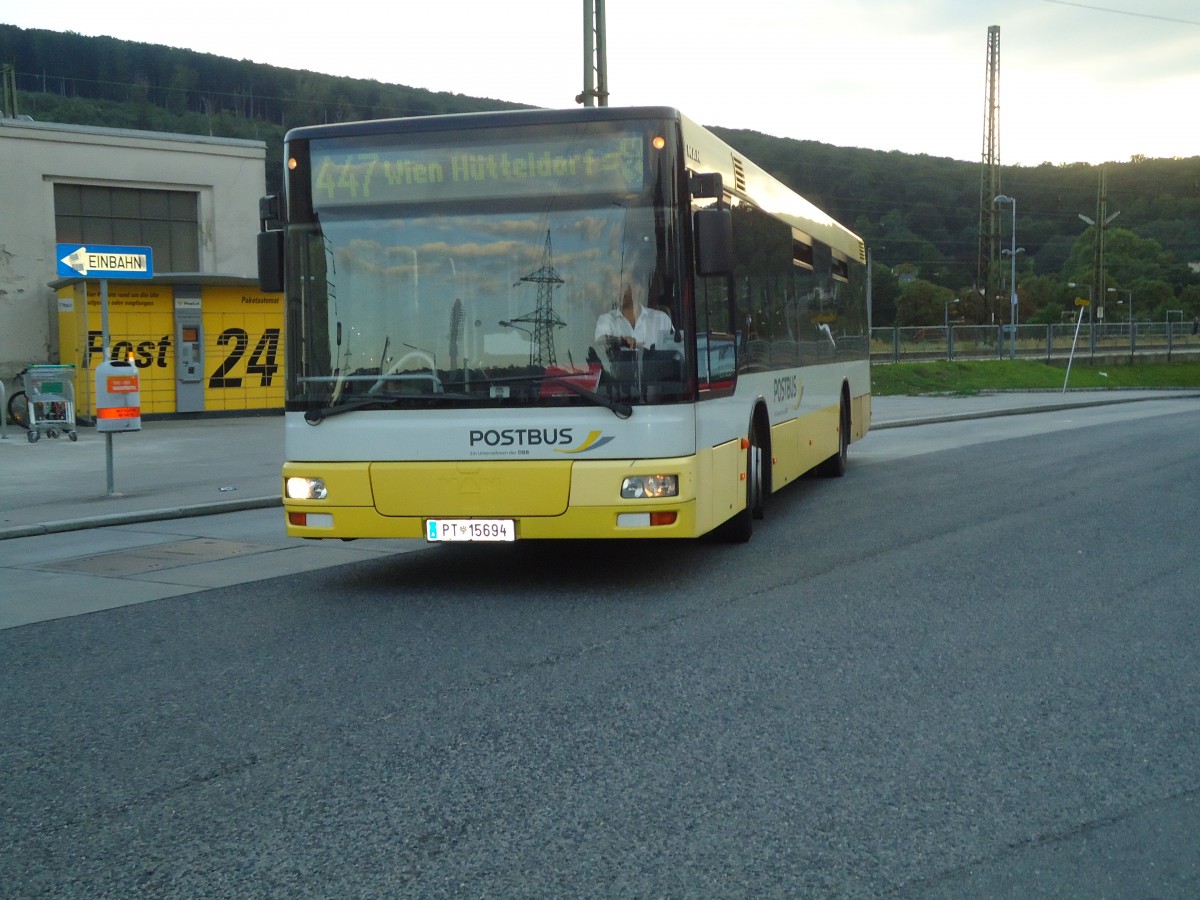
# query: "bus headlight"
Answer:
x=298 y=488
x=638 y=487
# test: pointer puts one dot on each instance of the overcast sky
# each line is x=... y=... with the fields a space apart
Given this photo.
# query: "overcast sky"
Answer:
x=1079 y=81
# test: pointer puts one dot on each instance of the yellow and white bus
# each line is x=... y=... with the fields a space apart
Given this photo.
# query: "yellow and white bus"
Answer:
x=588 y=323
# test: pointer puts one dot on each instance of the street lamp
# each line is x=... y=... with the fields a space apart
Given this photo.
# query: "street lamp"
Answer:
x=946 y=311
x=1004 y=198
x=949 y=333
x=508 y=324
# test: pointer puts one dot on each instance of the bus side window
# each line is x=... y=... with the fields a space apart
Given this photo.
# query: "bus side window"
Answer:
x=715 y=360
x=714 y=241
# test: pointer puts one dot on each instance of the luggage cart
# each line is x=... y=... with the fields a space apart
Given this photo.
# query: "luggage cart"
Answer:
x=50 y=391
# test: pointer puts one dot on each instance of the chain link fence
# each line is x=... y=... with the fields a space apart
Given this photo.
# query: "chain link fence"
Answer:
x=1151 y=340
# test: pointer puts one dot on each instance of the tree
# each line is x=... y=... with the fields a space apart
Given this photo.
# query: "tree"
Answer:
x=1127 y=257
x=922 y=303
x=1152 y=299
x=885 y=291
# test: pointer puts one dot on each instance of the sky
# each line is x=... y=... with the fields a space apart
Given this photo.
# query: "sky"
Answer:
x=1078 y=81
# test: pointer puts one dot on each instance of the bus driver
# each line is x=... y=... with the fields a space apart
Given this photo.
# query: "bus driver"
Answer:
x=633 y=324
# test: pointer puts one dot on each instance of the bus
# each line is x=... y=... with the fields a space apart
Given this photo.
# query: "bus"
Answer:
x=537 y=324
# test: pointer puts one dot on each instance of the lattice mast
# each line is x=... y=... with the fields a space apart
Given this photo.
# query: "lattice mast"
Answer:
x=8 y=103
x=989 y=272
x=543 y=319
x=595 y=57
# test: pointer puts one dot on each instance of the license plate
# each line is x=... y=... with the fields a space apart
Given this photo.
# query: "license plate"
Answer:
x=455 y=530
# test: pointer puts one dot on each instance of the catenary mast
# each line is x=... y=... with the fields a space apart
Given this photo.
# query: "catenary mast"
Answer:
x=989 y=270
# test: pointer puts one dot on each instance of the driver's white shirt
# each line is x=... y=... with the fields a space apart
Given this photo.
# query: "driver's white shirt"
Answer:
x=653 y=328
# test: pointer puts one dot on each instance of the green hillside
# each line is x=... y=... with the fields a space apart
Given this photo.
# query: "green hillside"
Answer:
x=919 y=214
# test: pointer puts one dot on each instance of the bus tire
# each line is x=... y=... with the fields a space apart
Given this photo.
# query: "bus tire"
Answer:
x=835 y=466
x=756 y=476
x=740 y=528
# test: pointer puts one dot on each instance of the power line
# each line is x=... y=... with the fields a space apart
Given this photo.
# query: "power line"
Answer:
x=1123 y=12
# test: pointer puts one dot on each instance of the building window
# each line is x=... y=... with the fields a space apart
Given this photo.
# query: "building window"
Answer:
x=165 y=221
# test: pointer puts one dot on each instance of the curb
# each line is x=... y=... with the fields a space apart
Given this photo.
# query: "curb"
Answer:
x=135 y=516
x=1017 y=411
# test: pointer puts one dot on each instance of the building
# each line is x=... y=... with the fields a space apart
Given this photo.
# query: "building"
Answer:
x=200 y=332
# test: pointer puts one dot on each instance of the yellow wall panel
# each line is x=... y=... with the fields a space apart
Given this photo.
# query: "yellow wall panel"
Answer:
x=243 y=347
x=243 y=343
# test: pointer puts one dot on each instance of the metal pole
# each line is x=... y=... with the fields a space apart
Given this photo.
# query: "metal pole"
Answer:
x=107 y=355
x=1132 y=328
x=108 y=462
x=104 y=341
x=601 y=55
x=1012 y=252
x=946 y=325
x=588 y=97
x=595 y=56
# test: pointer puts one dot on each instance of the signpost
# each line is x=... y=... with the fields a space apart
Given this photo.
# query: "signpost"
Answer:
x=104 y=261
x=1081 y=303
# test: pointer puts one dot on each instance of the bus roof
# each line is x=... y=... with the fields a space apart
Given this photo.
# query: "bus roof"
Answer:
x=706 y=152
x=493 y=119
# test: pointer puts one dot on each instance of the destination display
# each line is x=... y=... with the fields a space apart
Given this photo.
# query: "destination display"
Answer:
x=346 y=174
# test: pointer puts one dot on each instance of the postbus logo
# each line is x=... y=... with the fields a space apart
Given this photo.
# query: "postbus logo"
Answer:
x=789 y=387
x=561 y=440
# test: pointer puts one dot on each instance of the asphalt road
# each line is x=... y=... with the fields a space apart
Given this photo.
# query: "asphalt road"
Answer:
x=969 y=668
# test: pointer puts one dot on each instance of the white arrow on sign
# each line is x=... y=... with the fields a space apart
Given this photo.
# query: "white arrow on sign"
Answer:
x=77 y=260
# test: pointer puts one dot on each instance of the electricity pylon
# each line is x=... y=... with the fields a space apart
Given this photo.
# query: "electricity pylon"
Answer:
x=543 y=319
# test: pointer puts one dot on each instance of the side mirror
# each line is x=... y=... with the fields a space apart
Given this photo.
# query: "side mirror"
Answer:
x=268 y=209
x=706 y=184
x=714 y=241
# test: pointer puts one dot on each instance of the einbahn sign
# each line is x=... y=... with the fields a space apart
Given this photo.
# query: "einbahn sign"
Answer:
x=102 y=261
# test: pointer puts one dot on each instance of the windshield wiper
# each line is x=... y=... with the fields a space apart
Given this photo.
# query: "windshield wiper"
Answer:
x=619 y=408
x=317 y=416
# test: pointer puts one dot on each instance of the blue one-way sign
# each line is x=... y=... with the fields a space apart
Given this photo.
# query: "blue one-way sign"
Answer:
x=101 y=261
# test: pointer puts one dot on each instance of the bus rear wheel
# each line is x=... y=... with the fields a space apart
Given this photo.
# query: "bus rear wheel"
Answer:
x=835 y=466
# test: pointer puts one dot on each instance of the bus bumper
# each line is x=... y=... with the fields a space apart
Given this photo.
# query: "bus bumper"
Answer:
x=544 y=500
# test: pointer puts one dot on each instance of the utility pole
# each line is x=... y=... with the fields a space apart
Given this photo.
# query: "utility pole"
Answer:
x=8 y=106
x=595 y=57
x=1101 y=223
x=988 y=269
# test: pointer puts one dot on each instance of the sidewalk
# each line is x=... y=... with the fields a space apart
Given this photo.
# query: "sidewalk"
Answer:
x=898 y=412
x=182 y=468
x=169 y=469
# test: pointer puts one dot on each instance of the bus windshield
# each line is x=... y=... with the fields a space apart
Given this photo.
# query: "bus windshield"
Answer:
x=467 y=268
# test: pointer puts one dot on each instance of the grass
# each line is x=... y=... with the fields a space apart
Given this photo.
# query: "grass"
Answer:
x=978 y=376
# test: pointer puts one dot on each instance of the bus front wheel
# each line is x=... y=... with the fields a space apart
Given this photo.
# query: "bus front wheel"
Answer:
x=740 y=528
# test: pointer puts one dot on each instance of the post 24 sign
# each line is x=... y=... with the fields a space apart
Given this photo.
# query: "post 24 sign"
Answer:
x=242 y=339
